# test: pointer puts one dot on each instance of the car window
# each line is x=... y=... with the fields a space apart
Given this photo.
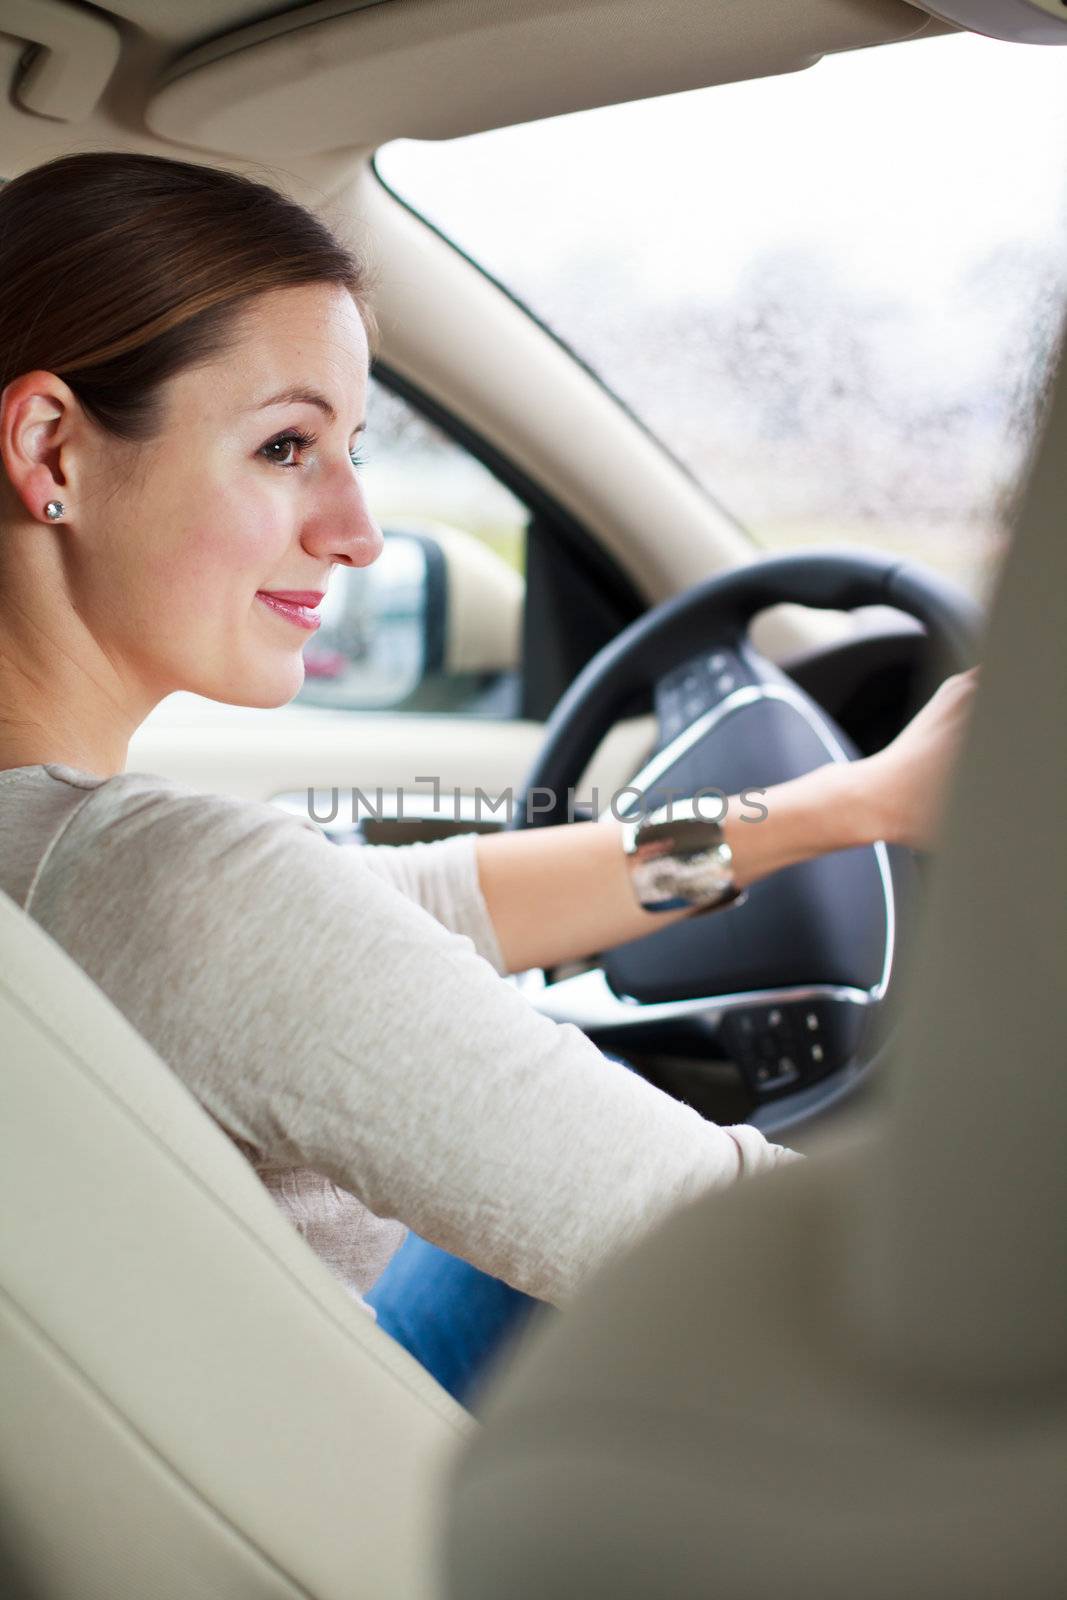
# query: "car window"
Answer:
x=435 y=624
x=833 y=294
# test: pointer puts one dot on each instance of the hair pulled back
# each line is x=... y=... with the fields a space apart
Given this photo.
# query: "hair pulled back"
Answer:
x=120 y=270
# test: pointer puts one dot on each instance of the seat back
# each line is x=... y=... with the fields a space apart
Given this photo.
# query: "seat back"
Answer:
x=191 y=1404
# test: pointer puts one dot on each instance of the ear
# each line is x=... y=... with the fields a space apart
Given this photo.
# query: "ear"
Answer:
x=38 y=416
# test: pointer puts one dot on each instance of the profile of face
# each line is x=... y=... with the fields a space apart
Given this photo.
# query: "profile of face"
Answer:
x=250 y=489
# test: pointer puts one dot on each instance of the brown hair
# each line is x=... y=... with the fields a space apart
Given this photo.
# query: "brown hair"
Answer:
x=121 y=270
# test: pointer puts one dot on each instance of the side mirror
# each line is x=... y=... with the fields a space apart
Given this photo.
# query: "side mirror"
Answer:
x=433 y=624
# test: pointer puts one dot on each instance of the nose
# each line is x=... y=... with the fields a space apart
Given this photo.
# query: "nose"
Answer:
x=339 y=527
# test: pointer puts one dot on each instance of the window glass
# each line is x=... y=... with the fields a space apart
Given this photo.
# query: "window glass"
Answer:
x=833 y=294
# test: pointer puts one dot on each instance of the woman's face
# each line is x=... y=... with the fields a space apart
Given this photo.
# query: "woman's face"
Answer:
x=249 y=490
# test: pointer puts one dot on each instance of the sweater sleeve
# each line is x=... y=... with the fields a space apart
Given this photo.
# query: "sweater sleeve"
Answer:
x=442 y=877
x=331 y=1021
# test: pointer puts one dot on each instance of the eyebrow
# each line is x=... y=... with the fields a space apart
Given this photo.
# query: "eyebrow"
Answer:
x=306 y=397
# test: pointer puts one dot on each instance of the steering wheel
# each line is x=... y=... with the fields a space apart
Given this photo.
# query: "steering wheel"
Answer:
x=788 y=984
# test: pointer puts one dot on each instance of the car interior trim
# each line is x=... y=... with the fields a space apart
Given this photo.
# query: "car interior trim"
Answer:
x=588 y=1000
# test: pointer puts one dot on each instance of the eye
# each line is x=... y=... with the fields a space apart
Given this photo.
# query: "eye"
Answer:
x=356 y=459
x=280 y=450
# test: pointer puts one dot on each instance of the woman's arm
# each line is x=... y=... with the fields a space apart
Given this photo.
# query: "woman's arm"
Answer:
x=558 y=894
x=330 y=1023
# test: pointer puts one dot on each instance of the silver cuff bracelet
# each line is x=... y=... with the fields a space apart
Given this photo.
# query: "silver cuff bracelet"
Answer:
x=678 y=858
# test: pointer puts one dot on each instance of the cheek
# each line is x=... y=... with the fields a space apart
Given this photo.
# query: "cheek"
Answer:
x=190 y=555
x=236 y=545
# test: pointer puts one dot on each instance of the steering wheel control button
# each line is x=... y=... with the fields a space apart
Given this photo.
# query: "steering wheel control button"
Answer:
x=694 y=688
x=776 y=1075
x=776 y=1047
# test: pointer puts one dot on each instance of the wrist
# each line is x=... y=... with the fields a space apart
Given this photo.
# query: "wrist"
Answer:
x=863 y=811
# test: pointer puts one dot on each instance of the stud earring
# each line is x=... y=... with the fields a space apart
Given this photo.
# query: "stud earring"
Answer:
x=54 y=510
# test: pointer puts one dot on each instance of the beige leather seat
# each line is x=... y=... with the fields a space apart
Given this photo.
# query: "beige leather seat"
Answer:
x=191 y=1407
x=849 y=1379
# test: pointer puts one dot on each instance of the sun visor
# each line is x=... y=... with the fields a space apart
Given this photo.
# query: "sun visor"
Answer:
x=339 y=74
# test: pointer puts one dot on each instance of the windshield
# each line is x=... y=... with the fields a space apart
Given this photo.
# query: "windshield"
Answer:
x=832 y=294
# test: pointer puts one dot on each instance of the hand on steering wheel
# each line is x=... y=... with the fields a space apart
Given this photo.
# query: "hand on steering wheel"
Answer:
x=911 y=774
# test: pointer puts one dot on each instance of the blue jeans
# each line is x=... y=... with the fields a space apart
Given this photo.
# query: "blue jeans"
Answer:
x=451 y=1317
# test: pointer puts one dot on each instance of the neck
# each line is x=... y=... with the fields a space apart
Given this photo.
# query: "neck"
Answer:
x=61 y=703
x=65 y=696
x=35 y=729
x=83 y=757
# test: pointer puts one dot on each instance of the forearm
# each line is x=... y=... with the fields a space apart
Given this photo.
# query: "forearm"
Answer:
x=832 y=808
x=562 y=893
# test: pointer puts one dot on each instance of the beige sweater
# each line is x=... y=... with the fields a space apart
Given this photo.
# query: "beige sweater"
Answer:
x=341 y=1013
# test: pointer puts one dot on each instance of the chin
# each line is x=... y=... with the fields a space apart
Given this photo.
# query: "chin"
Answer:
x=270 y=695
x=260 y=690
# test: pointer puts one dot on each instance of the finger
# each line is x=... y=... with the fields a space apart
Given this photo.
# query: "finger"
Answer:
x=962 y=682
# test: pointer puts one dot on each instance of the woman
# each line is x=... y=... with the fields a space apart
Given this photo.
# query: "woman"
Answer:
x=183 y=369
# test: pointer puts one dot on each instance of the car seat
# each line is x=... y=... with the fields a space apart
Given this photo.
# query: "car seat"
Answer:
x=191 y=1405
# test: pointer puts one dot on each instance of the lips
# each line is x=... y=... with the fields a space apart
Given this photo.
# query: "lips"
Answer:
x=294 y=605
